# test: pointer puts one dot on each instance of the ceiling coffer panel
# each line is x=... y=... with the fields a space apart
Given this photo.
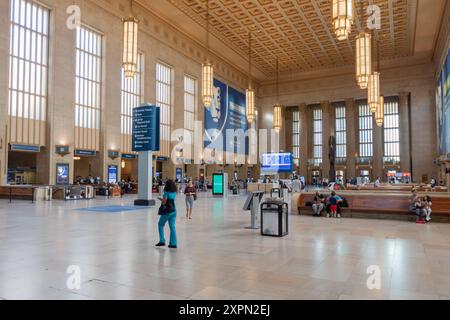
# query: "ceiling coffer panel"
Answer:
x=297 y=32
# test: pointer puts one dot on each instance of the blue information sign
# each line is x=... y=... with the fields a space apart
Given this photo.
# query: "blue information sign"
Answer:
x=146 y=122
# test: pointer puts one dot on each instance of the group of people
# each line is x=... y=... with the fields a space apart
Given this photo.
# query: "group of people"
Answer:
x=331 y=204
x=420 y=206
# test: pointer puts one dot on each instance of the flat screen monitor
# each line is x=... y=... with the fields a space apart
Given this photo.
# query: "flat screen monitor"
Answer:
x=277 y=163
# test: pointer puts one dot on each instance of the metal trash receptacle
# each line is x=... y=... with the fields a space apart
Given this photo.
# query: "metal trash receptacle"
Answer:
x=274 y=218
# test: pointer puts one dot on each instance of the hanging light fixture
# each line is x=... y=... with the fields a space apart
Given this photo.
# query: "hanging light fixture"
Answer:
x=342 y=11
x=250 y=92
x=130 y=44
x=379 y=114
x=277 y=109
x=373 y=94
x=363 y=55
x=207 y=69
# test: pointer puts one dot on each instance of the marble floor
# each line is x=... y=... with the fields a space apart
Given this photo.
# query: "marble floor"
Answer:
x=217 y=257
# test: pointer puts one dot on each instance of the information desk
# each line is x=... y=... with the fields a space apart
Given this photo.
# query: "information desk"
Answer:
x=383 y=204
x=264 y=187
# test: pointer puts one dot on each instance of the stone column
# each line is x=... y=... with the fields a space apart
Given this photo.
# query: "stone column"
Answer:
x=377 y=160
x=352 y=137
x=287 y=128
x=305 y=129
x=327 y=130
x=405 y=130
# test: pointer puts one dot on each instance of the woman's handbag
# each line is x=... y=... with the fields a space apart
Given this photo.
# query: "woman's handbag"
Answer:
x=167 y=208
x=195 y=196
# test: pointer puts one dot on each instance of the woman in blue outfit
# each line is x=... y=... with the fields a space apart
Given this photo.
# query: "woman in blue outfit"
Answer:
x=170 y=193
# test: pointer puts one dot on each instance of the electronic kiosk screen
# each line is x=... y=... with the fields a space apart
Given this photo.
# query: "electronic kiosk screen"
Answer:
x=112 y=174
x=218 y=188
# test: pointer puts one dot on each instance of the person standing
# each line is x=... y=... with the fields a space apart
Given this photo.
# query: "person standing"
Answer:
x=296 y=185
x=377 y=183
x=191 y=193
x=169 y=215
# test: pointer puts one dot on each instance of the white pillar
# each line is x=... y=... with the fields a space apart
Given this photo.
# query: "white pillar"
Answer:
x=145 y=196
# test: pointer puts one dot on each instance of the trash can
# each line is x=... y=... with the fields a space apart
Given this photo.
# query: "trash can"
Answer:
x=274 y=218
x=275 y=193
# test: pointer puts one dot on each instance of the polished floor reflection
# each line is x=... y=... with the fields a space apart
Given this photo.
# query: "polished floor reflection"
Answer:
x=217 y=257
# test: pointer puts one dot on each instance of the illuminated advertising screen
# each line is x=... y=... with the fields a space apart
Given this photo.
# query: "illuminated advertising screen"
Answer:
x=218 y=185
x=277 y=163
x=62 y=174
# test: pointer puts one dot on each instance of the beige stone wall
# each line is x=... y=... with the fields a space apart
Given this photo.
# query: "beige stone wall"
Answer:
x=158 y=42
x=415 y=80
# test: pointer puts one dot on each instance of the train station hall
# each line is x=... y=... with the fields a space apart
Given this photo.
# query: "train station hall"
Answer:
x=228 y=150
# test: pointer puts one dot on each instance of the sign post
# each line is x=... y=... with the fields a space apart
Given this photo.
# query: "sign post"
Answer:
x=146 y=134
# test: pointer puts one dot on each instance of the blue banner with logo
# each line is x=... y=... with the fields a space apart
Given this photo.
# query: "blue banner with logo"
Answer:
x=227 y=112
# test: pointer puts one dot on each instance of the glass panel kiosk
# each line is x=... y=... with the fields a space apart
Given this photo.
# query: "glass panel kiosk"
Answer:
x=220 y=185
x=252 y=204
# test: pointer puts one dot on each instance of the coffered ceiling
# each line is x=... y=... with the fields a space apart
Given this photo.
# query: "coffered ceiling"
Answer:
x=297 y=32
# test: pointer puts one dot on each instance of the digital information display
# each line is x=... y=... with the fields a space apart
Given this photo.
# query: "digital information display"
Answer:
x=218 y=185
x=112 y=174
x=179 y=174
x=146 y=128
x=277 y=163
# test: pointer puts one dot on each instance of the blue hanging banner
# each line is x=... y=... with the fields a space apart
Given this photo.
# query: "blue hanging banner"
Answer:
x=146 y=128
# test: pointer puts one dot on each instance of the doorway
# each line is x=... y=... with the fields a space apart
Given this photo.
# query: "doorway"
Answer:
x=22 y=168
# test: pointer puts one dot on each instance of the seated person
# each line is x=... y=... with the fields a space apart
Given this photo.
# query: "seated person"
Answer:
x=333 y=204
x=414 y=203
x=318 y=204
x=426 y=208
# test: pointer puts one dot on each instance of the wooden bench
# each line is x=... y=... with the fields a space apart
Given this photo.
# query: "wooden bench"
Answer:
x=17 y=193
x=387 y=205
x=304 y=198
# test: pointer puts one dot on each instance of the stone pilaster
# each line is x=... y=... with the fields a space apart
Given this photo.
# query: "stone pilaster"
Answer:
x=327 y=129
x=377 y=161
x=305 y=129
x=352 y=137
x=405 y=130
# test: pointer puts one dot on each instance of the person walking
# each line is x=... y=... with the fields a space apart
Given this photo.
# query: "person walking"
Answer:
x=168 y=213
x=191 y=194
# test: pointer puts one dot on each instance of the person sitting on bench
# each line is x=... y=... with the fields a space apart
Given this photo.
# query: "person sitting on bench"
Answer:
x=414 y=203
x=426 y=208
x=318 y=204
